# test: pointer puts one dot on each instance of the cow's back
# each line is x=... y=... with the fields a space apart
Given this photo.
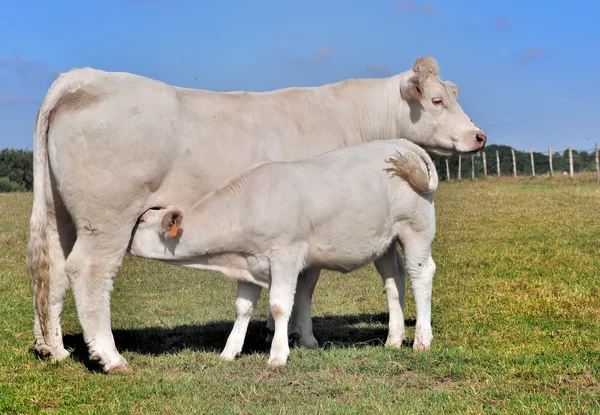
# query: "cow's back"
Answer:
x=130 y=142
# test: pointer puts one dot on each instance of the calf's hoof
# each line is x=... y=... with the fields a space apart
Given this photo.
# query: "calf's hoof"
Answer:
x=394 y=342
x=119 y=369
x=228 y=357
x=277 y=361
x=423 y=338
x=421 y=346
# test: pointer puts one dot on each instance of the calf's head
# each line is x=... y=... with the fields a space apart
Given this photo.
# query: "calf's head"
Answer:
x=156 y=228
x=431 y=115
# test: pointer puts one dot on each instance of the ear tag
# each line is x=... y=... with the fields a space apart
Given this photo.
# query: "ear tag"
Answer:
x=173 y=230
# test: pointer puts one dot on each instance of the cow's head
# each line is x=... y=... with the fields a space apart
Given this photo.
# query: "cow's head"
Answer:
x=435 y=120
x=157 y=229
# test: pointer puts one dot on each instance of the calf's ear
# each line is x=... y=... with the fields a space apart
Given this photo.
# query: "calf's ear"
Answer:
x=171 y=222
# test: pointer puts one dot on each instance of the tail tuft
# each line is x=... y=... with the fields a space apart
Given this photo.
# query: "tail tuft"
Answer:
x=417 y=168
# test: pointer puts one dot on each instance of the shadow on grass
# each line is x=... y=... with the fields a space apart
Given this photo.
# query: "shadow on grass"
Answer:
x=340 y=331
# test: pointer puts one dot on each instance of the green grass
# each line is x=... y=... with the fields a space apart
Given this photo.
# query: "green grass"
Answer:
x=516 y=320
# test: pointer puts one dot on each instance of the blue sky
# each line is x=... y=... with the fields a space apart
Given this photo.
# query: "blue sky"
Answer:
x=528 y=70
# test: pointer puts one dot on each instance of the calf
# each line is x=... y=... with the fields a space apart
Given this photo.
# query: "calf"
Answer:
x=337 y=211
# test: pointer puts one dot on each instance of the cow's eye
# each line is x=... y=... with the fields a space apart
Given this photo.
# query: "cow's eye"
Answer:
x=437 y=101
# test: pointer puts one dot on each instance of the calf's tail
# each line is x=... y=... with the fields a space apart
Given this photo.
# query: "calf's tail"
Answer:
x=416 y=167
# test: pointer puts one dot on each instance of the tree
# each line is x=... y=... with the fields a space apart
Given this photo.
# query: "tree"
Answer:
x=16 y=170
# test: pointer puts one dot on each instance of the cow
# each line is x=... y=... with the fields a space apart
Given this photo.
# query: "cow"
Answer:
x=110 y=145
x=337 y=211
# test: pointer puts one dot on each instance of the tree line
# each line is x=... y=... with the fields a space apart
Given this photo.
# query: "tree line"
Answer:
x=16 y=170
x=16 y=166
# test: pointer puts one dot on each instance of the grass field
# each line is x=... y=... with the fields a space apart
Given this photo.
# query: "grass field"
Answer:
x=516 y=320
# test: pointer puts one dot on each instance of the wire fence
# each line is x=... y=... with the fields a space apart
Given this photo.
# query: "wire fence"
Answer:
x=500 y=160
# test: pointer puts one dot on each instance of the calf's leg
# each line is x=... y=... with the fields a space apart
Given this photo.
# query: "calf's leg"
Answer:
x=393 y=280
x=284 y=276
x=246 y=298
x=421 y=269
x=301 y=330
x=391 y=269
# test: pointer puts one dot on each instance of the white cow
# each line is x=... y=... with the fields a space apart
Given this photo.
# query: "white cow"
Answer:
x=109 y=146
x=338 y=211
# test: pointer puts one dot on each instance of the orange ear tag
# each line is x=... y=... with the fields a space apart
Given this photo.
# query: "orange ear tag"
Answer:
x=173 y=231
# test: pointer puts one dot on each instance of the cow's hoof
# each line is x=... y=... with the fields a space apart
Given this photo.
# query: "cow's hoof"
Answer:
x=51 y=353
x=119 y=369
x=308 y=343
x=59 y=355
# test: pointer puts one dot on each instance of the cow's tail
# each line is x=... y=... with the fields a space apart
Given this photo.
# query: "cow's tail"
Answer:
x=416 y=167
x=39 y=260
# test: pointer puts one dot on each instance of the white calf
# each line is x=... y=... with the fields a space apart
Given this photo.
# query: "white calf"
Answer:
x=338 y=211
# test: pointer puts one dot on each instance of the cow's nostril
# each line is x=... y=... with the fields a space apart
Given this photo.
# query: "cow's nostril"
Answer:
x=480 y=137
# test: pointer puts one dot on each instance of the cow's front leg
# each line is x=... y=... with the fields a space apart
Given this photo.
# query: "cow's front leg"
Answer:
x=246 y=298
x=301 y=330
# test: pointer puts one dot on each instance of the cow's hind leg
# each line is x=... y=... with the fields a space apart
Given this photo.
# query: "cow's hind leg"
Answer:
x=246 y=298
x=393 y=277
x=91 y=267
x=61 y=236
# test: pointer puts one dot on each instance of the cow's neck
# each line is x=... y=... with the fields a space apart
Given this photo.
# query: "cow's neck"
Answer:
x=370 y=107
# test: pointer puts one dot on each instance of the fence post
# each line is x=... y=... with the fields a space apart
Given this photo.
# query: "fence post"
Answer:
x=550 y=159
x=512 y=150
x=459 y=167
x=472 y=166
x=447 y=171
x=532 y=165
x=485 y=164
x=597 y=163
x=570 y=161
x=498 y=162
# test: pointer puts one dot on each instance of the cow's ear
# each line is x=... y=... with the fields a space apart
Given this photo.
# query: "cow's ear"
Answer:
x=452 y=88
x=171 y=222
x=412 y=88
